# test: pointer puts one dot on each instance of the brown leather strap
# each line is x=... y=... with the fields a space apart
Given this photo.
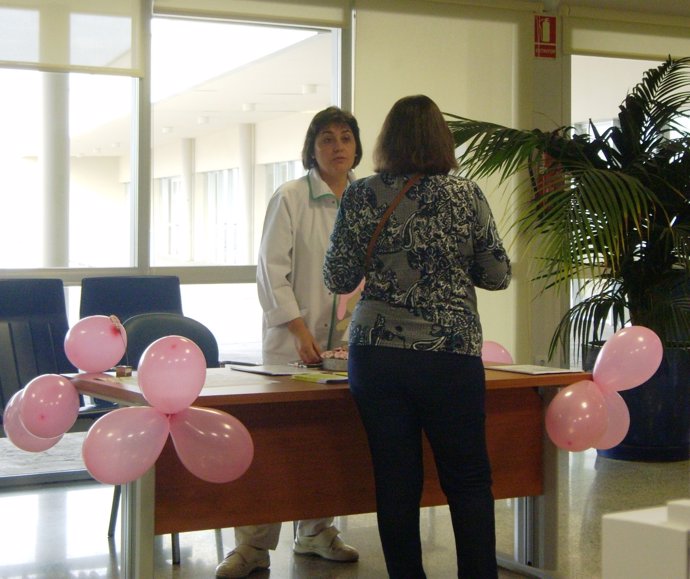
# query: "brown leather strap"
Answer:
x=398 y=198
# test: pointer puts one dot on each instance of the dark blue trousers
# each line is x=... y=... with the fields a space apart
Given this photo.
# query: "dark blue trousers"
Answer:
x=400 y=394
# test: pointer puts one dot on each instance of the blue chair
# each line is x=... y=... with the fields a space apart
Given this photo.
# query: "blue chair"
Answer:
x=126 y=296
x=130 y=295
x=33 y=325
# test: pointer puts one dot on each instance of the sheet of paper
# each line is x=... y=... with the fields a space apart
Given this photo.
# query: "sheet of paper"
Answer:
x=529 y=369
x=272 y=369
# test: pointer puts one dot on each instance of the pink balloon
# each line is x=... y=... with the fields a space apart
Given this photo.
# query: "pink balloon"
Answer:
x=123 y=444
x=628 y=358
x=213 y=445
x=344 y=299
x=494 y=352
x=96 y=343
x=16 y=431
x=576 y=418
x=618 y=421
x=171 y=373
x=50 y=406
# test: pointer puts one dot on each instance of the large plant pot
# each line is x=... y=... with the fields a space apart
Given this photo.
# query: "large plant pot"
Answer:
x=659 y=411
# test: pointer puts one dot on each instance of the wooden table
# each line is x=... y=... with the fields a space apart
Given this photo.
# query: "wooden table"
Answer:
x=311 y=460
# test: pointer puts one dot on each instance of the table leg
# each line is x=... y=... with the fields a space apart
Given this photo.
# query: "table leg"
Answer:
x=528 y=558
x=138 y=509
x=536 y=519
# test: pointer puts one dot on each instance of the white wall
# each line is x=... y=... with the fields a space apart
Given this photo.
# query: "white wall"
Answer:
x=99 y=204
x=217 y=151
x=472 y=62
x=282 y=139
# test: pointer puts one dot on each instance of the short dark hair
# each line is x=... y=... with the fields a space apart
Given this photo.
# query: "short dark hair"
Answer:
x=415 y=139
x=329 y=116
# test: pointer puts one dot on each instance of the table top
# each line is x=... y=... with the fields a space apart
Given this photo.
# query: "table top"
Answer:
x=226 y=386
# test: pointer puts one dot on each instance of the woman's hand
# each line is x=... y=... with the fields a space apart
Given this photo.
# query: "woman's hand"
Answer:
x=307 y=348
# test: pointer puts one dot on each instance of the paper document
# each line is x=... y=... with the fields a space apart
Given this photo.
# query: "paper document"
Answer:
x=529 y=369
x=272 y=369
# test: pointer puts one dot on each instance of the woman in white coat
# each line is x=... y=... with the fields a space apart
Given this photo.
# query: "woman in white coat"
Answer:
x=299 y=313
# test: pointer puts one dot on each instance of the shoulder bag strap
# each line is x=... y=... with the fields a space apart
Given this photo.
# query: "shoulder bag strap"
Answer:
x=398 y=198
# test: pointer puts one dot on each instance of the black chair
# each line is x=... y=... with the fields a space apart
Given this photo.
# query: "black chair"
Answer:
x=33 y=325
x=142 y=330
x=130 y=295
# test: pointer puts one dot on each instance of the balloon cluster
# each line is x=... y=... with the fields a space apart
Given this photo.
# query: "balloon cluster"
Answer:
x=37 y=416
x=591 y=413
x=123 y=444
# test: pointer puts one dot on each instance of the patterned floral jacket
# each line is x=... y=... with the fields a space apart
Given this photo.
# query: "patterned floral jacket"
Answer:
x=437 y=246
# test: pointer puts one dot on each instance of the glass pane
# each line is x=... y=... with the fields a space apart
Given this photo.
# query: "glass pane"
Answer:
x=61 y=36
x=231 y=105
x=19 y=34
x=64 y=160
x=233 y=314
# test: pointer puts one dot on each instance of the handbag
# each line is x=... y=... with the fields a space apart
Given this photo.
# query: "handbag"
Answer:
x=411 y=182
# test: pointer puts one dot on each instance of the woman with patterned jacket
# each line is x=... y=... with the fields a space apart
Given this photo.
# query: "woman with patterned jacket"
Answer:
x=415 y=338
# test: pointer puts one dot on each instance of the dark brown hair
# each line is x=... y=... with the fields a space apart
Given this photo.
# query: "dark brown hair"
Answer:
x=329 y=116
x=415 y=139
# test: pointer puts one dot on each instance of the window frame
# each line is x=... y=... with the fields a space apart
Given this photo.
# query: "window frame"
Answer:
x=142 y=179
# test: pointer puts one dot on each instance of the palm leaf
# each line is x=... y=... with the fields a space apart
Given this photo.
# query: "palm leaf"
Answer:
x=612 y=206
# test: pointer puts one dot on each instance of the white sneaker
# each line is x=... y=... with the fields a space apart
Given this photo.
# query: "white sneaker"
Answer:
x=326 y=544
x=241 y=561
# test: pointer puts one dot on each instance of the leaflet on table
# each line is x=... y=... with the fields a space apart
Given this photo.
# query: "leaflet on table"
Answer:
x=529 y=369
x=273 y=369
x=322 y=377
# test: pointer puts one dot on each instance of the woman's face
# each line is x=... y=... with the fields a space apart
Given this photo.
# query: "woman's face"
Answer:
x=334 y=151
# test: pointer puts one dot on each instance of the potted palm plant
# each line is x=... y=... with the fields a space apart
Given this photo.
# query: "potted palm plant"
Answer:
x=611 y=210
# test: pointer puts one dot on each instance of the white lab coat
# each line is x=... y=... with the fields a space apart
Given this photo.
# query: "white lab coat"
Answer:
x=289 y=274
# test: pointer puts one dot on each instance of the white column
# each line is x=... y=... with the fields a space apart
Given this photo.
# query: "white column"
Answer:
x=244 y=201
x=55 y=169
x=188 y=155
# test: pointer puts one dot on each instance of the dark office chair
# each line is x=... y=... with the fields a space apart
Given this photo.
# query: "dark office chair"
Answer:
x=130 y=295
x=33 y=325
x=125 y=296
x=142 y=330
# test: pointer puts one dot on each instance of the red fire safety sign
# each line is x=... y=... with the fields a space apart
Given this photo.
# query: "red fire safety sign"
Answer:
x=544 y=36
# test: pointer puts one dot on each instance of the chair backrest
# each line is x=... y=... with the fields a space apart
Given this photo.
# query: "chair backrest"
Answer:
x=127 y=296
x=144 y=329
x=33 y=325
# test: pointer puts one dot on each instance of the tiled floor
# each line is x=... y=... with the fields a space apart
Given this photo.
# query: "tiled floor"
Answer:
x=59 y=531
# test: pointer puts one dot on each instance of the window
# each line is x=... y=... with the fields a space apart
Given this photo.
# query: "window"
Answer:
x=223 y=237
x=230 y=99
x=279 y=173
x=66 y=195
x=170 y=208
x=227 y=99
